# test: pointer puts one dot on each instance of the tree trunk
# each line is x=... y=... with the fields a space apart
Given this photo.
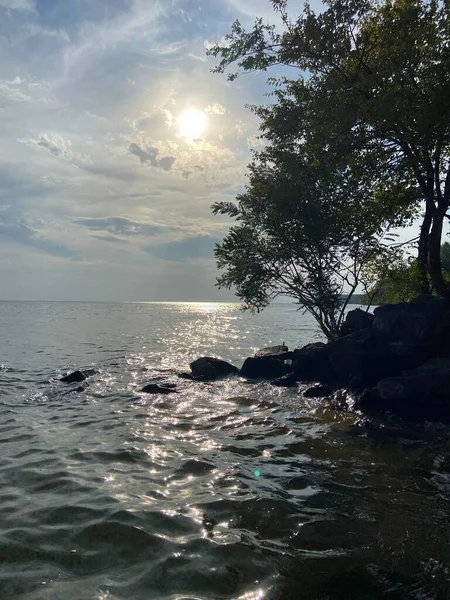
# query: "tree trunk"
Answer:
x=434 y=254
x=422 y=257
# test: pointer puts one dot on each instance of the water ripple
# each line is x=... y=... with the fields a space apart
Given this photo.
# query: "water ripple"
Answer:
x=224 y=491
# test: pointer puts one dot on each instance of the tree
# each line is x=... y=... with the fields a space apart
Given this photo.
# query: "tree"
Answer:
x=395 y=280
x=395 y=277
x=445 y=257
x=303 y=231
x=370 y=90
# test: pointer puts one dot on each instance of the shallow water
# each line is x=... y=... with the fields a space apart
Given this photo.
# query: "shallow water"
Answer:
x=112 y=494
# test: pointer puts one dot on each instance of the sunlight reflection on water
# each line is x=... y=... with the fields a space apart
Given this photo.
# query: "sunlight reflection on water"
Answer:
x=110 y=494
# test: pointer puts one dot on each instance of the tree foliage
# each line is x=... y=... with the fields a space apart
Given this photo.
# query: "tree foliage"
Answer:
x=445 y=257
x=366 y=89
x=302 y=231
x=396 y=278
x=392 y=281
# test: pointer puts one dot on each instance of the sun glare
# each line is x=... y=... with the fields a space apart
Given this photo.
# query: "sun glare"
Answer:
x=192 y=123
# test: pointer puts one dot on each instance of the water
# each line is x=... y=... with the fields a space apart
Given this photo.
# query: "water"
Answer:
x=109 y=494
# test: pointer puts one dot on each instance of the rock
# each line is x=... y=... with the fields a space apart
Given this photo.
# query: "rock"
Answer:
x=356 y=320
x=317 y=391
x=402 y=337
x=421 y=392
x=286 y=381
x=155 y=388
x=272 y=350
x=343 y=400
x=360 y=360
x=185 y=375
x=422 y=324
x=311 y=363
x=208 y=522
x=266 y=367
x=78 y=389
x=207 y=368
x=78 y=376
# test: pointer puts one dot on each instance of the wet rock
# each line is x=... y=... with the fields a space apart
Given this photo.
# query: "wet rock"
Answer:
x=343 y=399
x=76 y=390
x=422 y=392
x=397 y=338
x=209 y=522
x=185 y=375
x=207 y=368
x=311 y=363
x=266 y=367
x=272 y=350
x=360 y=360
x=317 y=391
x=288 y=380
x=356 y=320
x=156 y=388
x=78 y=376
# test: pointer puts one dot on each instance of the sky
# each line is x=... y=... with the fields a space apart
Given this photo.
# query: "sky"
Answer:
x=115 y=140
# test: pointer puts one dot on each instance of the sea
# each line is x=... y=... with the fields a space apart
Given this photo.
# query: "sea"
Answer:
x=229 y=490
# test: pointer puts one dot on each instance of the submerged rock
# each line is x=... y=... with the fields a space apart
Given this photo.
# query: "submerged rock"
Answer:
x=317 y=391
x=78 y=376
x=156 y=388
x=76 y=390
x=343 y=400
x=185 y=375
x=208 y=368
x=286 y=381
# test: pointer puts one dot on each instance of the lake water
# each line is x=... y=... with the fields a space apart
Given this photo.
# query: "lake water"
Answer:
x=230 y=490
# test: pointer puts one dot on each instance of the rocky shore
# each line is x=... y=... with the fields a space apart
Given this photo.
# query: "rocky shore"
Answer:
x=396 y=360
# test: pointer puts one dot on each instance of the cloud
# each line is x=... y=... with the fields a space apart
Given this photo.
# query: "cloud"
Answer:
x=191 y=248
x=149 y=155
x=121 y=226
x=110 y=238
x=58 y=146
x=215 y=109
x=100 y=86
x=10 y=90
x=21 y=234
x=27 y=5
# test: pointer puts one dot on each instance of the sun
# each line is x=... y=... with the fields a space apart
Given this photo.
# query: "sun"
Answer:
x=192 y=123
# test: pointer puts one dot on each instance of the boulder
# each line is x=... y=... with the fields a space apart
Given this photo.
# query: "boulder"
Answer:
x=78 y=376
x=272 y=350
x=421 y=392
x=402 y=337
x=286 y=381
x=356 y=320
x=207 y=368
x=311 y=363
x=361 y=359
x=156 y=388
x=317 y=391
x=270 y=366
x=422 y=324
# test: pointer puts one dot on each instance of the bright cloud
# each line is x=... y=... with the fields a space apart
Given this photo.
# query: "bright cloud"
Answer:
x=98 y=182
